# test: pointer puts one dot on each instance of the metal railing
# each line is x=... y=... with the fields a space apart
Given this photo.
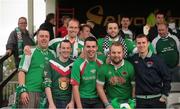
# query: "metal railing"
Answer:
x=4 y=82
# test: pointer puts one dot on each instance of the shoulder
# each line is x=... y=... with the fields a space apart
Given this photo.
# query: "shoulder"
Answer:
x=79 y=60
x=52 y=52
x=155 y=40
x=100 y=39
x=56 y=40
x=128 y=64
x=174 y=37
x=104 y=67
x=13 y=33
x=81 y=42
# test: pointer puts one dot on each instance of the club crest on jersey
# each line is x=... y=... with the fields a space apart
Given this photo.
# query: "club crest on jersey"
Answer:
x=124 y=73
x=172 y=44
x=63 y=83
x=136 y=62
x=149 y=63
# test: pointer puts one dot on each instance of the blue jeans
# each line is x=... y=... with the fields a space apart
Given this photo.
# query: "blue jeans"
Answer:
x=91 y=103
x=61 y=103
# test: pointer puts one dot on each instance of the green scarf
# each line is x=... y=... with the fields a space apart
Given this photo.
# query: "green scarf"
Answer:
x=20 y=42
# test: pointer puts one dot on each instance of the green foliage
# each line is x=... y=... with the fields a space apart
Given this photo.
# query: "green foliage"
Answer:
x=8 y=67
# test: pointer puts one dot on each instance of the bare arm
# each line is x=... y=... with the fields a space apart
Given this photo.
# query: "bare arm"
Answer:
x=133 y=91
x=70 y=105
x=49 y=97
x=77 y=96
x=102 y=95
x=21 y=80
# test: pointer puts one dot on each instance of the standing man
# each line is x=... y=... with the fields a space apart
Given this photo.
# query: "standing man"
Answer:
x=159 y=19
x=84 y=32
x=31 y=69
x=49 y=24
x=19 y=38
x=83 y=77
x=167 y=46
x=72 y=36
x=152 y=77
x=57 y=78
x=125 y=23
x=115 y=78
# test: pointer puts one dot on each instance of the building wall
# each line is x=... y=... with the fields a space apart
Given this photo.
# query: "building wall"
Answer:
x=50 y=6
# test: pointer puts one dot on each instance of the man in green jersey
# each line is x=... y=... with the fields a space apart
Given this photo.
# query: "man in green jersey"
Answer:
x=83 y=77
x=114 y=79
x=57 y=78
x=31 y=68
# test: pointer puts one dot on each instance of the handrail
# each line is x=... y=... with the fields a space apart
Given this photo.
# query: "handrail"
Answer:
x=5 y=81
x=4 y=57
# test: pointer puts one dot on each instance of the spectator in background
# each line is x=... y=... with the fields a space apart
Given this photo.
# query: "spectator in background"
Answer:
x=167 y=46
x=62 y=31
x=84 y=31
x=125 y=23
x=76 y=43
x=173 y=28
x=96 y=30
x=18 y=39
x=49 y=24
x=153 y=32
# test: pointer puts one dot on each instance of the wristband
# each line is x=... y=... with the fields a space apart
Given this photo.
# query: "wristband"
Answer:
x=22 y=88
x=107 y=104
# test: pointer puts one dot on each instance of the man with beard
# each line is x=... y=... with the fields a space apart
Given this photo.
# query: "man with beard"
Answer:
x=115 y=78
x=113 y=36
x=83 y=77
